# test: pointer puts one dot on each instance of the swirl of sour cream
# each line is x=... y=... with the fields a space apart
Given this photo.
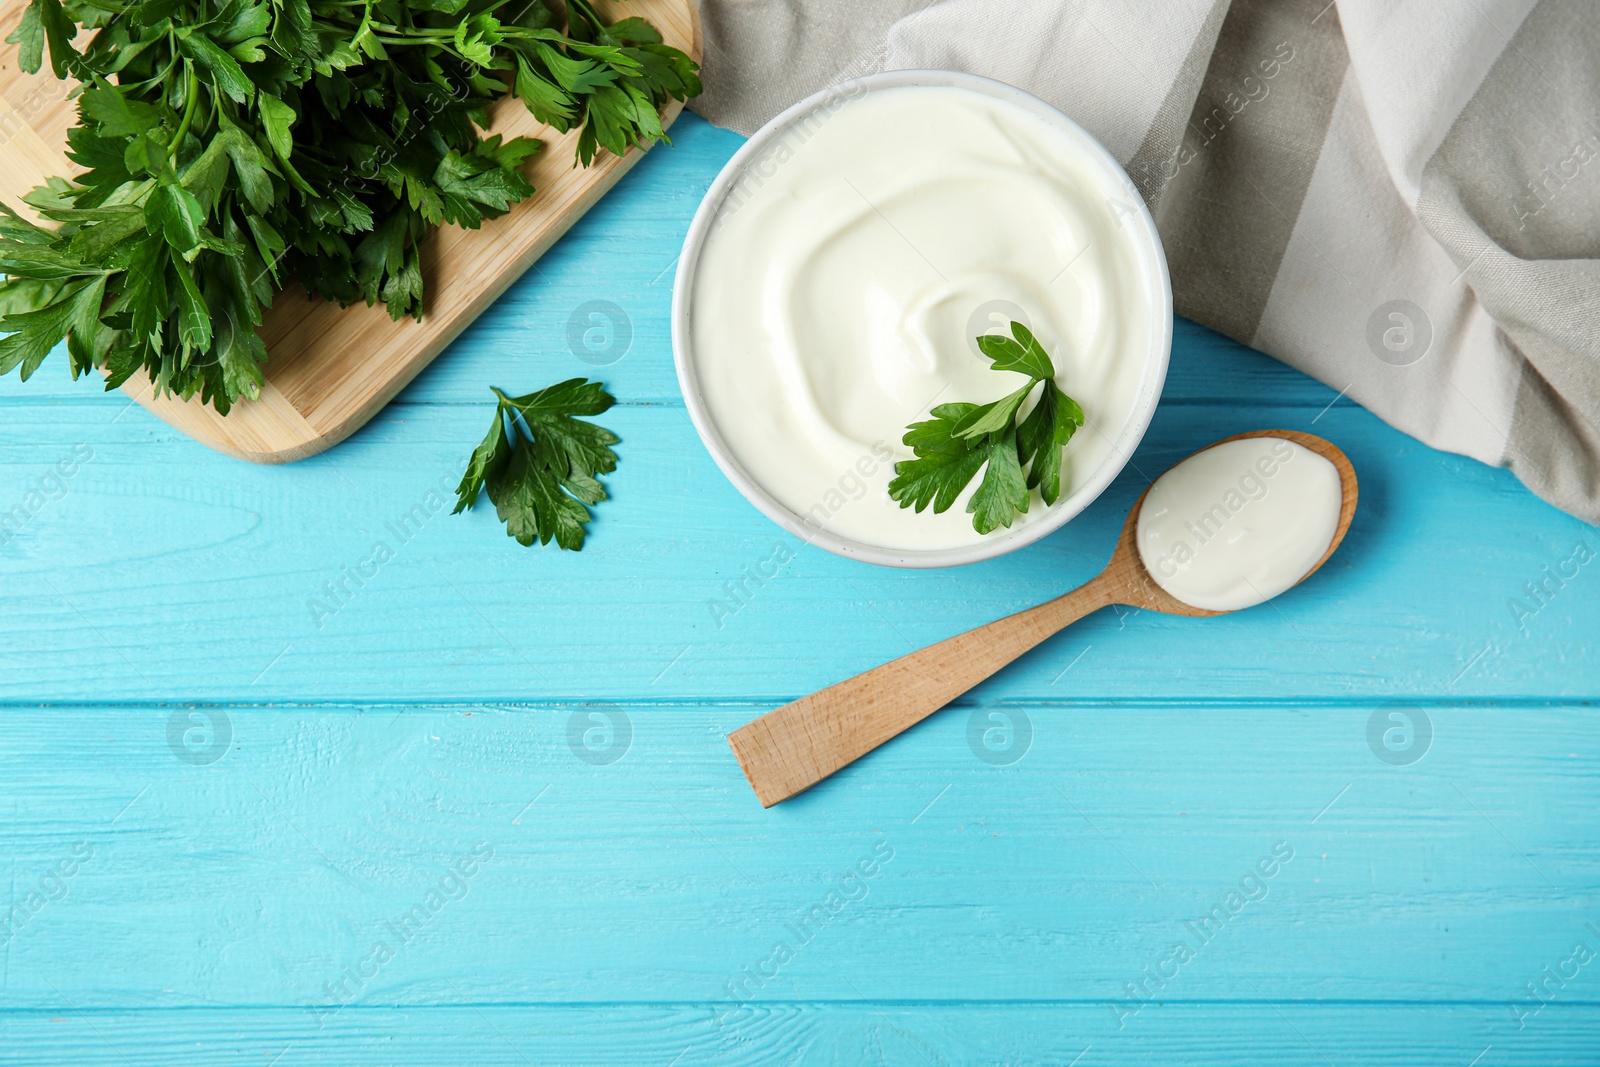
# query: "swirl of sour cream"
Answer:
x=846 y=272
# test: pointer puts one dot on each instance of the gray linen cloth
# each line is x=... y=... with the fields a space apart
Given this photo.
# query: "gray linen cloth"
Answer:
x=1401 y=199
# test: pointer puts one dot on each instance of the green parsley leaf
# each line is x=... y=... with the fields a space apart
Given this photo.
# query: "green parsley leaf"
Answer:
x=1003 y=493
x=487 y=459
x=485 y=182
x=29 y=36
x=1040 y=438
x=1024 y=354
x=961 y=439
x=173 y=212
x=225 y=72
x=944 y=462
x=116 y=114
x=539 y=463
x=276 y=118
x=992 y=418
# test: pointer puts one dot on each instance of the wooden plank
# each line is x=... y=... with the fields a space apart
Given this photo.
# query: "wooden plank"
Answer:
x=252 y=863
x=234 y=563
x=805 y=1034
x=332 y=369
x=871 y=1032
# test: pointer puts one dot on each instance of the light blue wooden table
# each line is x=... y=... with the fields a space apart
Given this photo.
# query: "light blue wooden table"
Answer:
x=476 y=807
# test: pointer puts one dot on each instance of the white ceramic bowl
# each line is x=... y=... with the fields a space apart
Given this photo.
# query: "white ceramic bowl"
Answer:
x=1138 y=224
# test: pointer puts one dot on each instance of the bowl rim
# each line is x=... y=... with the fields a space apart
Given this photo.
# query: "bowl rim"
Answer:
x=1158 y=354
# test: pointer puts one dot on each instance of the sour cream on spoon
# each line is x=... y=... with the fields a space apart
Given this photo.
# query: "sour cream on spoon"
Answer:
x=1240 y=522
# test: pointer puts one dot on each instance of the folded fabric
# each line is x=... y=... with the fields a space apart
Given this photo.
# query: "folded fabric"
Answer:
x=1400 y=199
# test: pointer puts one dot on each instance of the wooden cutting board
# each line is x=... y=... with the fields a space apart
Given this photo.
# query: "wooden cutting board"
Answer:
x=330 y=368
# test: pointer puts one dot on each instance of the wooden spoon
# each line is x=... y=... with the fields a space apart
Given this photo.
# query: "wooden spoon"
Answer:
x=796 y=746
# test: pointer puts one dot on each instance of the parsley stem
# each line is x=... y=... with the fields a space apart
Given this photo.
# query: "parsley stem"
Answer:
x=192 y=91
x=416 y=32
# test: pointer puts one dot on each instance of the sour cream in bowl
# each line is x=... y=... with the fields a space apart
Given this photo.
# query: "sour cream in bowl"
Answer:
x=835 y=278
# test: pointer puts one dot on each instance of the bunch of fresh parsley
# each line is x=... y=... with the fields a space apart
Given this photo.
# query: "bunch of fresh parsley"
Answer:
x=539 y=463
x=232 y=144
x=1016 y=458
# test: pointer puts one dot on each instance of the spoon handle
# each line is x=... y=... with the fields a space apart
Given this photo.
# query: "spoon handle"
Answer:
x=796 y=746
